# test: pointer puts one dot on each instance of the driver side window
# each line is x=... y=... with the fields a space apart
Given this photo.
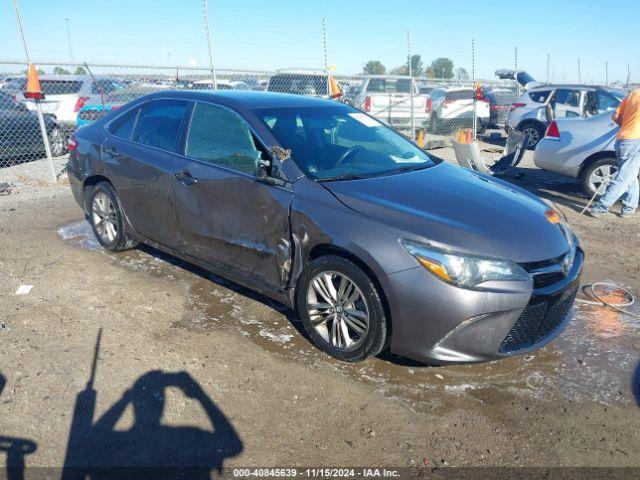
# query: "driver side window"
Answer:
x=220 y=137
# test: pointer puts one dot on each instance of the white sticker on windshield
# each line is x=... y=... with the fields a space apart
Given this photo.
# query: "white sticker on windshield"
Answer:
x=365 y=119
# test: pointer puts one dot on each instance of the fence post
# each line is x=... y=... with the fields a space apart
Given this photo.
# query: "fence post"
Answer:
x=473 y=77
x=43 y=127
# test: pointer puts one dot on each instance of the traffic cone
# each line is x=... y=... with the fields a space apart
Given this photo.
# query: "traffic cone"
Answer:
x=33 y=84
x=420 y=139
x=334 y=88
x=467 y=136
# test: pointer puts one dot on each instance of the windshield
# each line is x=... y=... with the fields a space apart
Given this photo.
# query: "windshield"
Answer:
x=335 y=143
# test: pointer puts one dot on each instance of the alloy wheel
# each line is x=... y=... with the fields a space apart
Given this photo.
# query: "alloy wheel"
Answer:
x=103 y=214
x=597 y=179
x=534 y=136
x=56 y=141
x=337 y=310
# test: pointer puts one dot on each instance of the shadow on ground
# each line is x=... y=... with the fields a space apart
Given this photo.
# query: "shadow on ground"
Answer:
x=149 y=448
x=15 y=449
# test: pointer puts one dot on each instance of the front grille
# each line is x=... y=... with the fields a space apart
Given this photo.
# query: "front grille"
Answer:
x=538 y=320
x=546 y=279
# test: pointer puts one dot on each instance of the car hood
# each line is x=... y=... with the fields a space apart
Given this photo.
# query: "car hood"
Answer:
x=459 y=209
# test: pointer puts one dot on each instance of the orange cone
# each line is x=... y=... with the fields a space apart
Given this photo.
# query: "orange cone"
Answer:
x=467 y=136
x=334 y=88
x=420 y=139
x=33 y=84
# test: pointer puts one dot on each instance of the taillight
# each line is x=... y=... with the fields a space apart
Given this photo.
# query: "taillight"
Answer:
x=80 y=103
x=448 y=101
x=516 y=105
x=427 y=107
x=367 y=104
x=552 y=131
x=72 y=144
x=116 y=107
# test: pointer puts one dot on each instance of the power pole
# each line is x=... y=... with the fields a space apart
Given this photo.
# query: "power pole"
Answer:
x=413 y=119
x=579 y=76
x=548 y=67
x=515 y=54
x=66 y=21
x=326 y=54
x=205 y=4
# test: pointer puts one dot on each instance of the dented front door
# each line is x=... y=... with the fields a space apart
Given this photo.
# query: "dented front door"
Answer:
x=228 y=219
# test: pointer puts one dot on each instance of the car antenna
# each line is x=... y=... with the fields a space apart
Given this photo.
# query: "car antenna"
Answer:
x=95 y=82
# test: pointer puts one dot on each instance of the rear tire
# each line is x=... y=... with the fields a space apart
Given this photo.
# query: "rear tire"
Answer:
x=341 y=309
x=592 y=176
x=106 y=218
x=535 y=131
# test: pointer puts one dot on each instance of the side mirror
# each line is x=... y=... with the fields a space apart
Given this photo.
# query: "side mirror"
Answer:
x=264 y=173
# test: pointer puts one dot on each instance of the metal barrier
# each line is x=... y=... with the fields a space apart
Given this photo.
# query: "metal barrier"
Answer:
x=77 y=94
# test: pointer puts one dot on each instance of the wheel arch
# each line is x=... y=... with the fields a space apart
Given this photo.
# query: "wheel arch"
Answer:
x=90 y=182
x=594 y=157
x=531 y=121
x=323 y=249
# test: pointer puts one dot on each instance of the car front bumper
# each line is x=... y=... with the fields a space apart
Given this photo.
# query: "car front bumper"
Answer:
x=437 y=323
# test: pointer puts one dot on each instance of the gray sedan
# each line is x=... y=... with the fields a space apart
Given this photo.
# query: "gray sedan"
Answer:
x=327 y=210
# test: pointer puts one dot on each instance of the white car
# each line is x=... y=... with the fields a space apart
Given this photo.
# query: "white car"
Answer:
x=65 y=95
x=581 y=148
x=388 y=98
x=451 y=108
x=221 y=85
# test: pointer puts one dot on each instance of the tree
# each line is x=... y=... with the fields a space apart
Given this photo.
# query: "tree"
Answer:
x=401 y=70
x=60 y=71
x=416 y=66
x=80 y=71
x=374 y=67
x=462 y=74
x=429 y=72
x=442 y=67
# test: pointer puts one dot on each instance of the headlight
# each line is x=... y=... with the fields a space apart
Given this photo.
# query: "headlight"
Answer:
x=463 y=270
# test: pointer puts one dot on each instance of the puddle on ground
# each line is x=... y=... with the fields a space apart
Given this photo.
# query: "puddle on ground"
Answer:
x=593 y=360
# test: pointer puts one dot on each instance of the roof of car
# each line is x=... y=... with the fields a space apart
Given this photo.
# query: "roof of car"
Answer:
x=248 y=99
x=567 y=85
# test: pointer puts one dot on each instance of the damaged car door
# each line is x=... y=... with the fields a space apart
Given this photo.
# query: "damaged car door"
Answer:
x=227 y=217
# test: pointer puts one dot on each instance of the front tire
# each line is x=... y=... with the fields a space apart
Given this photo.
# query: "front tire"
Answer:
x=106 y=218
x=341 y=309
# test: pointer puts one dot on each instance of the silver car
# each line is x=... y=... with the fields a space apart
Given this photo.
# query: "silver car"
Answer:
x=535 y=108
x=581 y=148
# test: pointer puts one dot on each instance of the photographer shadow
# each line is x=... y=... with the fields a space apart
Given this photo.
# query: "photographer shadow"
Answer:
x=148 y=448
x=16 y=449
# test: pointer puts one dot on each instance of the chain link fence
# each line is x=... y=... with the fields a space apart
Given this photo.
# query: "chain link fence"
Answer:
x=78 y=94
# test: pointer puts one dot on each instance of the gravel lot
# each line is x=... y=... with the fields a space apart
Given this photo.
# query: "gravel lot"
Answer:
x=196 y=350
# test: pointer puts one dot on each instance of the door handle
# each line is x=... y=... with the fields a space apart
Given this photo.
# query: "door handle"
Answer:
x=185 y=178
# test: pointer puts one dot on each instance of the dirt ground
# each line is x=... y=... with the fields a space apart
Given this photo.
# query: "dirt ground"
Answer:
x=181 y=350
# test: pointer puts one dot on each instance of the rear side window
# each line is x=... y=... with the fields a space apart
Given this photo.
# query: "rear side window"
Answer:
x=539 y=96
x=159 y=123
x=389 y=85
x=60 y=87
x=568 y=97
x=220 y=137
x=460 y=95
x=123 y=128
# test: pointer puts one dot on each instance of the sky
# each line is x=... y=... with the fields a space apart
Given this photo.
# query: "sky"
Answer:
x=264 y=35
